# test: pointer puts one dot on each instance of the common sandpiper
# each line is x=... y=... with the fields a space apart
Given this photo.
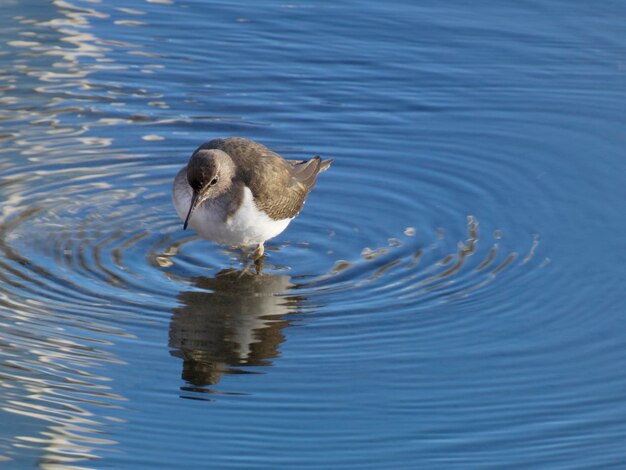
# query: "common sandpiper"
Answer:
x=239 y=193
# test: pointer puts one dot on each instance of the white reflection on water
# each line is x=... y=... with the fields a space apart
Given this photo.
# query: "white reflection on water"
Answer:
x=49 y=356
x=51 y=372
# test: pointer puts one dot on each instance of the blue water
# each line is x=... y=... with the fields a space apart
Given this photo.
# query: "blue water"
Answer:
x=452 y=296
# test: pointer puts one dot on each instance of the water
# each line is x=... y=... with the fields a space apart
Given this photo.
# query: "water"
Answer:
x=451 y=296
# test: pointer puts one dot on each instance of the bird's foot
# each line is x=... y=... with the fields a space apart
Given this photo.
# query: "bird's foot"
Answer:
x=258 y=267
x=256 y=258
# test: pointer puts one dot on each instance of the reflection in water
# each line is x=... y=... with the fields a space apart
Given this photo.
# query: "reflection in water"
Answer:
x=237 y=322
x=94 y=267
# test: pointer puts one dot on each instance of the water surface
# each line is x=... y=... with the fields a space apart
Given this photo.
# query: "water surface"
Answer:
x=451 y=296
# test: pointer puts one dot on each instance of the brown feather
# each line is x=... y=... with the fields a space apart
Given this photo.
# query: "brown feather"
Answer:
x=279 y=186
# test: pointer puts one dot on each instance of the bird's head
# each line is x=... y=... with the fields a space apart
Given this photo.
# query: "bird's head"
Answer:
x=209 y=173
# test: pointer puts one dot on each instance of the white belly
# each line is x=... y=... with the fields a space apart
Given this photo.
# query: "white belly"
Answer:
x=247 y=226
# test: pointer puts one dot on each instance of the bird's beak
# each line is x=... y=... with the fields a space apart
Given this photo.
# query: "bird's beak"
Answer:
x=194 y=203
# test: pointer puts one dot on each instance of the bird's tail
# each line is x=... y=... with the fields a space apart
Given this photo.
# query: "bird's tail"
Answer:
x=325 y=164
x=306 y=172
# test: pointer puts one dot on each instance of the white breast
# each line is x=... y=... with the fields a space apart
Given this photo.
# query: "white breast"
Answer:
x=247 y=226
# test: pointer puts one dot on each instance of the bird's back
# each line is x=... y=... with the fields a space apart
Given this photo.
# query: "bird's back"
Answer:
x=279 y=186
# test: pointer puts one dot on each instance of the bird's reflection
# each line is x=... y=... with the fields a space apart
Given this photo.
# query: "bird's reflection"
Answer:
x=237 y=321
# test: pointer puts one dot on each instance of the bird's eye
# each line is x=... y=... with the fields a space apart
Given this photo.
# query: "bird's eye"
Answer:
x=213 y=182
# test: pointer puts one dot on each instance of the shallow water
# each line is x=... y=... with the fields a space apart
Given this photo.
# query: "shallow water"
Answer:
x=451 y=296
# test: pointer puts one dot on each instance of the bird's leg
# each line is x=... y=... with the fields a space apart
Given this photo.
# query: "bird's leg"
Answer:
x=257 y=256
x=258 y=253
x=258 y=264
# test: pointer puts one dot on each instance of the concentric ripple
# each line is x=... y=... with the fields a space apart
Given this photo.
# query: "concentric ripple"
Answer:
x=450 y=290
x=409 y=268
x=83 y=244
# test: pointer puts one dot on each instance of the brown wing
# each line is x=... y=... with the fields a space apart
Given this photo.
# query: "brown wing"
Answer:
x=279 y=186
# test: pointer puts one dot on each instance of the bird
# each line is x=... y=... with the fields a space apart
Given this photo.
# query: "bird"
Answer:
x=239 y=193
